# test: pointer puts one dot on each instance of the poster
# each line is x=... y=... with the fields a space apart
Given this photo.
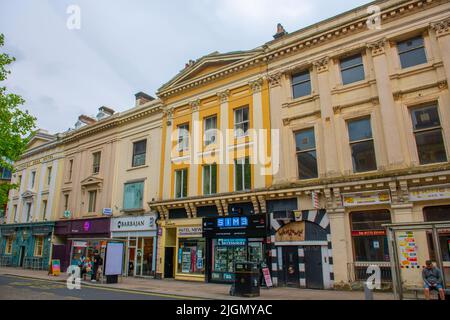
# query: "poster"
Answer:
x=114 y=258
x=267 y=277
x=186 y=262
x=56 y=267
x=408 y=250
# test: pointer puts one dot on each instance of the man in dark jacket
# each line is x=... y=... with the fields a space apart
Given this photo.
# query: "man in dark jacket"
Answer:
x=98 y=263
x=432 y=278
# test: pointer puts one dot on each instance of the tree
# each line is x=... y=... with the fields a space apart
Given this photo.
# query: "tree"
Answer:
x=16 y=126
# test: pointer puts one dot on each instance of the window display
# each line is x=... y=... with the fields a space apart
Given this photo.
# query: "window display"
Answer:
x=191 y=256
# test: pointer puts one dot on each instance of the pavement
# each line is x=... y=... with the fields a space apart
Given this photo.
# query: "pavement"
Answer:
x=148 y=288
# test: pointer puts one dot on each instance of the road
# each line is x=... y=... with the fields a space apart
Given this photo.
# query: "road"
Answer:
x=18 y=288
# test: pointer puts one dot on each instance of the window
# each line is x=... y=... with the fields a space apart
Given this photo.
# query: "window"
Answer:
x=242 y=174
x=181 y=183
x=49 y=175
x=8 y=247
x=191 y=256
x=369 y=236
x=361 y=144
x=241 y=122
x=352 y=69
x=66 y=202
x=28 y=211
x=210 y=130
x=428 y=133
x=209 y=179
x=96 y=162
x=33 y=179
x=183 y=137
x=70 y=169
x=306 y=154
x=44 y=209
x=412 y=52
x=92 y=200
x=301 y=84
x=438 y=213
x=133 y=196
x=19 y=180
x=15 y=213
x=38 y=246
x=139 y=151
x=5 y=174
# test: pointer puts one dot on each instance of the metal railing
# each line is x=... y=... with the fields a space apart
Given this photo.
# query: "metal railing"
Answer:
x=33 y=263
x=5 y=261
x=357 y=271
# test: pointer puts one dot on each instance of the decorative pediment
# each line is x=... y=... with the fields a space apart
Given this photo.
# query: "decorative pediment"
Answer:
x=92 y=181
x=207 y=65
x=39 y=138
x=28 y=194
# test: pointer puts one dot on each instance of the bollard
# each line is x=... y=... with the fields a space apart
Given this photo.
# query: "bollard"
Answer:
x=368 y=294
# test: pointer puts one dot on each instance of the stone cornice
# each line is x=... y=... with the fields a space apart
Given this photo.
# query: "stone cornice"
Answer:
x=441 y=27
x=378 y=47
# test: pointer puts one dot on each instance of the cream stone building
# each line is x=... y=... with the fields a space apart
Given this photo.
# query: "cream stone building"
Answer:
x=363 y=114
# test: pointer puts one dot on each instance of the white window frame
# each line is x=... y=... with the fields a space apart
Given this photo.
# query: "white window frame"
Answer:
x=210 y=178
x=183 y=180
x=208 y=134
x=94 y=203
x=242 y=163
x=241 y=123
x=183 y=137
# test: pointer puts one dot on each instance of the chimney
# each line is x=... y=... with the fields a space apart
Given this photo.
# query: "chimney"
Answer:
x=280 y=32
x=86 y=119
x=104 y=112
x=142 y=98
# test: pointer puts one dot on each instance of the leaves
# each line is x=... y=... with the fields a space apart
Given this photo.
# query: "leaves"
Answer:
x=16 y=125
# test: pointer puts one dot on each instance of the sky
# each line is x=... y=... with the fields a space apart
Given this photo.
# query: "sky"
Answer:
x=123 y=47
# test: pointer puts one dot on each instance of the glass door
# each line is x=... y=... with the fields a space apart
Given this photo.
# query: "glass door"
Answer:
x=131 y=257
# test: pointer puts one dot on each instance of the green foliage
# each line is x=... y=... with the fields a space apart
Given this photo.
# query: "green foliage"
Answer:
x=16 y=126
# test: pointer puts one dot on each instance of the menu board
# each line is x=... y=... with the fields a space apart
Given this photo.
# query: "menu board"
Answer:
x=408 y=250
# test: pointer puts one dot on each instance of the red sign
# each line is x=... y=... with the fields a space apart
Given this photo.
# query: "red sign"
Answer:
x=267 y=277
x=368 y=233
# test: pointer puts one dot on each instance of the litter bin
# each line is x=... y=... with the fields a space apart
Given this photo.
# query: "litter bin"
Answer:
x=246 y=280
x=112 y=279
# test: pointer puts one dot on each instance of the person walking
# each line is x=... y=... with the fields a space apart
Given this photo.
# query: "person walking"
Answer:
x=97 y=266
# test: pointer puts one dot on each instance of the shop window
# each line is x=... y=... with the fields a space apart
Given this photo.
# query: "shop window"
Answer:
x=412 y=52
x=181 y=181
x=301 y=84
x=139 y=152
x=210 y=130
x=183 y=137
x=38 y=246
x=352 y=69
x=49 y=175
x=369 y=236
x=191 y=256
x=306 y=154
x=96 y=157
x=133 y=195
x=92 y=200
x=241 y=122
x=361 y=144
x=242 y=174
x=9 y=243
x=209 y=179
x=438 y=213
x=428 y=133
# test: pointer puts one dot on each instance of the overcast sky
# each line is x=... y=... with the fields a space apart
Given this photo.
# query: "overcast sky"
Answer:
x=124 y=47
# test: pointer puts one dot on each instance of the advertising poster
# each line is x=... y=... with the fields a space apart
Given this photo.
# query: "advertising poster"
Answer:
x=408 y=250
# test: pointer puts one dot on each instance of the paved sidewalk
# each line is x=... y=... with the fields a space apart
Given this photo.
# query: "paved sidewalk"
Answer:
x=203 y=290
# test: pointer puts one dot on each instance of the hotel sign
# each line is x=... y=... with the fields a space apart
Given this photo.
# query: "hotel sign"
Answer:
x=190 y=231
x=366 y=198
x=430 y=193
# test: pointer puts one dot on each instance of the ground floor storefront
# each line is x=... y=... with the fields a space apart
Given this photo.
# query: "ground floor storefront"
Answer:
x=26 y=245
x=77 y=239
x=139 y=234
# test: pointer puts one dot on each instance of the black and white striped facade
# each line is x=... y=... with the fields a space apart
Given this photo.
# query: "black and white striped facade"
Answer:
x=318 y=217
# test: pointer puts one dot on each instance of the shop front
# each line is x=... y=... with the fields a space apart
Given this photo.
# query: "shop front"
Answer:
x=26 y=245
x=139 y=234
x=181 y=250
x=231 y=239
x=79 y=238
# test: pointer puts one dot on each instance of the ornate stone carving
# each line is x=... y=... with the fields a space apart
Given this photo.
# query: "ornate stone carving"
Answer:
x=195 y=105
x=443 y=84
x=262 y=204
x=223 y=96
x=274 y=79
x=322 y=64
x=377 y=47
x=441 y=27
x=219 y=207
x=255 y=204
x=256 y=85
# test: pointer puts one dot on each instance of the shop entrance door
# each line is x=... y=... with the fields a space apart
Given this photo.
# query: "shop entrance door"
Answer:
x=168 y=265
x=290 y=266
x=313 y=267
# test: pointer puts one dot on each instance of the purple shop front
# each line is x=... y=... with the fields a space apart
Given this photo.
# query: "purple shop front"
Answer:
x=97 y=228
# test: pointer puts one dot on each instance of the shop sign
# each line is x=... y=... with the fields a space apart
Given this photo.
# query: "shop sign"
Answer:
x=80 y=244
x=368 y=233
x=190 y=231
x=366 y=198
x=240 y=226
x=431 y=193
x=67 y=214
x=139 y=223
x=294 y=231
x=231 y=242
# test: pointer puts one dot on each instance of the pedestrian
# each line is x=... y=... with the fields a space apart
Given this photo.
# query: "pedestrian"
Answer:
x=97 y=266
x=432 y=278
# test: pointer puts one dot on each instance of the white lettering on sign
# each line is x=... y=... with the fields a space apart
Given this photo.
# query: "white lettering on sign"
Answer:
x=140 y=223
x=190 y=231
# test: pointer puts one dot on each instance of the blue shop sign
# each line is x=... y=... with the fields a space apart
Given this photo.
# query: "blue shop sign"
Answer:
x=252 y=226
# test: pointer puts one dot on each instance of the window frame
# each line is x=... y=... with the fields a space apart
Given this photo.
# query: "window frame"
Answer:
x=66 y=202
x=293 y=84
x=28 y=210
x=210 y=166
x=49 y=175
x=183 y=137
x=92 y=204
x=371 y=139
x=135 y=154
x=207 y=142
x=141 y=207
x=38 y=246
x=241 y=123
x=33 y=179
x=9 y=245
x=44 y=210
x=410 y=50
x=70 y=169
x=96 y=166
x=243 y=164
x=184 y=183
x=342 y=69
x=297 y=152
